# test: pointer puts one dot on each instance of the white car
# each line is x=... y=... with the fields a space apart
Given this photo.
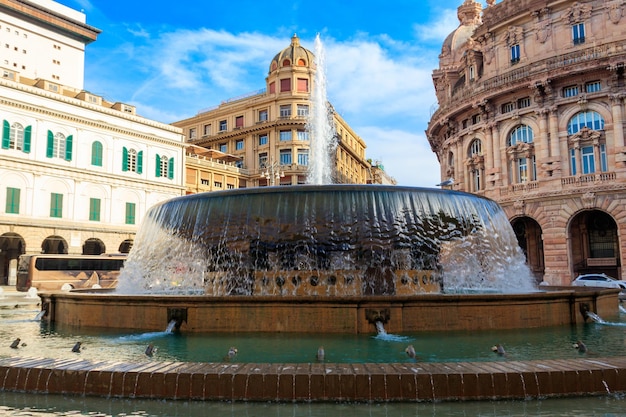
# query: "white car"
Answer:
x=598 y=280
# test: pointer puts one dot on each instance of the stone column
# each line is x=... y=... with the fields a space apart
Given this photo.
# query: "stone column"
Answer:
x=554 y=133
x=618 y=127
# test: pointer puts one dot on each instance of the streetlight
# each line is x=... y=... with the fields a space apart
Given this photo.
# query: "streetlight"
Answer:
x=273 y=173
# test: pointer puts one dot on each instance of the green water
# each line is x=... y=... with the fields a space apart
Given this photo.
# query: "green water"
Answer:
x=608 y=339
x=14 y=404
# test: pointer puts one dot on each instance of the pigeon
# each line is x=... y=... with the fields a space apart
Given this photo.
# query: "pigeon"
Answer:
x=16 y=343
x=232 y=352
x=580 y=346
x=499 y=349
x=76 y=347
x=150 y=350
x=446 y=183
x=320 y=354
x=410 y=351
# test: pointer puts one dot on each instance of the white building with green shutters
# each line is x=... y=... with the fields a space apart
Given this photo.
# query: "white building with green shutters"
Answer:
x=77 y=173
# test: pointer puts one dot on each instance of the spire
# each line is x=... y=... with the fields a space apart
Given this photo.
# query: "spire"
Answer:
x=295 y=41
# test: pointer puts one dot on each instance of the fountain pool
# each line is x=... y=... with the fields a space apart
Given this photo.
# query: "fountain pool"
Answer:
x=328 y=264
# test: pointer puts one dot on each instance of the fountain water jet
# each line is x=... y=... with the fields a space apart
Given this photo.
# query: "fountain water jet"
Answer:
x=321 y=125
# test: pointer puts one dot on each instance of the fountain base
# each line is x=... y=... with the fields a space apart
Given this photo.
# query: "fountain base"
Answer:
x=310 y=314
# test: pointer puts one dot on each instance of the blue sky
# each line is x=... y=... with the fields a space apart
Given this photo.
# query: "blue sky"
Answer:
x=173 y=59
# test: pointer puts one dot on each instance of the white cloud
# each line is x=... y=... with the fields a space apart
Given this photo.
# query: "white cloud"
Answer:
x=440 y=28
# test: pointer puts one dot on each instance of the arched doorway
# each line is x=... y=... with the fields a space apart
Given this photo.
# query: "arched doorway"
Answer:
x=594 y=244
x=54 y=245
x=93 y=246
x=126 y=246
x=12 y=246
x=528 y=234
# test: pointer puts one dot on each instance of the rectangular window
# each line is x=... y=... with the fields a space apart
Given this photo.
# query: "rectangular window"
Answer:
x=303 y=85
x=262 y=160
x=523 y=103
x=285 y=85
x=515 y=54
x=56 y=205
x=224 y=147
x=522 y=169
x=239 y=121
x=285 y=156
x=588 y=161
x=13 y=200
x=475 y=119
x=593 y=87
x=223 y=125
x=285 y=135
x=303 y=157
x=192 y=133
x=603 y=164
x=572 y=160
x=570 y=91
x=262 y=115
x=578 y=33
x=217 y=184
x=285 y=111
x=508 y=107
x=303 y=110
x=130 y=213
x=206 y=130
x=94 y=209
x=303 y=135
x=262 y=139
x=239 y=145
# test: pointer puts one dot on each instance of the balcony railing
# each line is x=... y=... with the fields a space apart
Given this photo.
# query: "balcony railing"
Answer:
x=588 y=179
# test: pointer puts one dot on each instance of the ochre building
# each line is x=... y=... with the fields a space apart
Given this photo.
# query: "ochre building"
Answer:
x=264 y=134
x=531 y=114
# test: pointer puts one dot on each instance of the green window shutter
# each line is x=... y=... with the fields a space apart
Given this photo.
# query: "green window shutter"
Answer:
x=170 y=169
x=56 y=205
x=96 y=154
x=50 y=144
x=27 y=135
x=139 y=162
x=13 y=200
x=94 y=209
x=6 y=135
x=130 y=213
x=158 y=166
x=124 y=159
x=68 y=147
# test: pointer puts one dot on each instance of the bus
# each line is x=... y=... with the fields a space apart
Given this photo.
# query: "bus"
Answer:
x=53 y=272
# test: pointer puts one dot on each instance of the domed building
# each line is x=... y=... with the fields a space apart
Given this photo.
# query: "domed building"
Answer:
x=531 y=114
x=264 y=135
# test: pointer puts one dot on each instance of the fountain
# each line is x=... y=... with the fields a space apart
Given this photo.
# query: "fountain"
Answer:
x=320 y=259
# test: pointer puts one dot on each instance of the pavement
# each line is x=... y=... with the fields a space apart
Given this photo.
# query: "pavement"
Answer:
x=11 y=298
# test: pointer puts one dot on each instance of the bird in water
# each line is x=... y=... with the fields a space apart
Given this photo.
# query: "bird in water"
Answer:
x=150 y=350
x=499 y=349
x=16 y=343
x=410 y=351
x=76 y=347
x=580 y=346
x=320 y=354
x=232 y=352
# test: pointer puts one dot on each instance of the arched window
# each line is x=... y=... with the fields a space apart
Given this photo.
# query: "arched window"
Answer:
x=96 y=154
x=587 y=142
x=521 y=134
x=16 y=136
x=132 y=160
x=589 y=119
x=164 y=167
x=59 y=146
x=522 y=165
x=476 y=148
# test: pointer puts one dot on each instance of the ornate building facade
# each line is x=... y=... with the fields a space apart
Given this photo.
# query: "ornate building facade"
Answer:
x=265 y=132
x=77 y=172
x=531 y=114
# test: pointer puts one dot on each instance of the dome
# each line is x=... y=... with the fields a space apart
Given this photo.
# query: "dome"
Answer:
x=469 y=17
x=294 y=54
